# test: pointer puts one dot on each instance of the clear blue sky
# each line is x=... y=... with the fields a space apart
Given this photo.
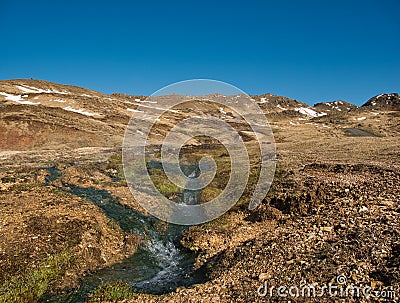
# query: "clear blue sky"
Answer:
x=308 y=50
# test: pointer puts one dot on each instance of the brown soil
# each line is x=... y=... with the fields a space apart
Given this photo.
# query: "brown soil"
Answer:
x=40 y=219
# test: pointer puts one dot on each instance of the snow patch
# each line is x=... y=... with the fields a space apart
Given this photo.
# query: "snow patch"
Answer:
x=35 y=90
x=18 y=99
x=28 y=102
x=361 y=118
x=81 y=111
x=309 y=111
x=11 y=97
x=134 y=110
x=145 y=101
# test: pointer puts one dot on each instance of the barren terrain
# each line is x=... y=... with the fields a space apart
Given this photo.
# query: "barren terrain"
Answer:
x=66 y=211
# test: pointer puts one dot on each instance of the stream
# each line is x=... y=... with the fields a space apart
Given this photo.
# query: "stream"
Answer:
x=160 y=264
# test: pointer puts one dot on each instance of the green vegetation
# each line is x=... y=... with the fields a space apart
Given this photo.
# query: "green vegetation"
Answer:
x=7 y=179
x=112 y=223
x=112 y=292
x=31 y=286
x=220 y=224
x=209 y=193
x=115 y=163
x=163 y=184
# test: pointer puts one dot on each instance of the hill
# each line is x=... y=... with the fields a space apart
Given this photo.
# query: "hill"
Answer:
x=383 y=102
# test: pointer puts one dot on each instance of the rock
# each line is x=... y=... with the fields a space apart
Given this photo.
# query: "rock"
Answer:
x=42 y=176
x=363 y=209
x=264 y=276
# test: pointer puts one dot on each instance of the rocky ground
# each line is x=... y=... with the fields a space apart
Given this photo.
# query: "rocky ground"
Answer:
x=44 y=221
x=337 y=216
x=332 y=210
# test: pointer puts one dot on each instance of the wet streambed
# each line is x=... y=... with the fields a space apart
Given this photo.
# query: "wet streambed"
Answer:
x=160 y=264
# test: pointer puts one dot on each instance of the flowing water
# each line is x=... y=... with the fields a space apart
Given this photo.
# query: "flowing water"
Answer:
x=160 y=264
x=191 y=197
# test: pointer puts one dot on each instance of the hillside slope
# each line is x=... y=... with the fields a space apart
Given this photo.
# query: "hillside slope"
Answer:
x=38 y=114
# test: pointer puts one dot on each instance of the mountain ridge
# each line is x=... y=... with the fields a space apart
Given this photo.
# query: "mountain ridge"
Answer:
x=12 y=84
x=43 y=114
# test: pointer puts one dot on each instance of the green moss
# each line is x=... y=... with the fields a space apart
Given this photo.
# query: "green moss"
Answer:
x=221 y=223
x=167 y=188
x=162 y=183
x=209 y=193
x=115 y=163
x=112 y=292
x=31 y=286
x=112 y=223
x=8 y=179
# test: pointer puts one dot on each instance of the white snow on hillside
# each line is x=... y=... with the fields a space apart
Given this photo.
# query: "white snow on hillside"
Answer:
x=134 y=110
x=28 y=102
x=35 y=90
x=11 y=97
x=80 y=111
x=309 y=112
x=334 y=105
x=145 y=101
x=18 y=99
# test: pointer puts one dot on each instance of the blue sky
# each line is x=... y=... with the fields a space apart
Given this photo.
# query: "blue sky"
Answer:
x=308 y=50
